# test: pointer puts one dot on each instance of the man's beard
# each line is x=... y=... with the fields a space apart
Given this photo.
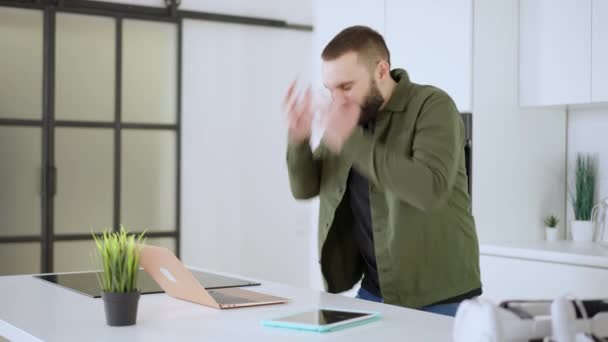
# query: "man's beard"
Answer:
x=371 y=105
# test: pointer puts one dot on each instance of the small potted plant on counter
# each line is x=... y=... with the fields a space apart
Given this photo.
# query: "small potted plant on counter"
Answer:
x=119 y=254
x=551 y=228
x=582 y=198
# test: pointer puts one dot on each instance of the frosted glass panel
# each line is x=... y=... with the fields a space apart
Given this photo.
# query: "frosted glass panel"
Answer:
x=71 y=256
x=20 y=63
x=20 y=172
x=163 y=242
x=149 y=88
x=148 y=179
x=85 y=180
x=85 y=59
x=19 y=258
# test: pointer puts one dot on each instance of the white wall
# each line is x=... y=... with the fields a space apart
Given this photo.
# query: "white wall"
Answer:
x=238 y=214
x=519 y=154
x=588 y=133
x=441 y=54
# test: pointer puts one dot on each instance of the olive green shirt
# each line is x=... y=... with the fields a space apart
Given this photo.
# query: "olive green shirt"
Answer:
x=424 y=234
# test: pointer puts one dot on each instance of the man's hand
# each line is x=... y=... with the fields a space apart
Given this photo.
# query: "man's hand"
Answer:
x=299 y=115
x=340 y=119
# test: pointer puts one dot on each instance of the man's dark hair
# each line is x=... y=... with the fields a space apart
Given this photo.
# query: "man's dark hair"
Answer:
x=367 y=43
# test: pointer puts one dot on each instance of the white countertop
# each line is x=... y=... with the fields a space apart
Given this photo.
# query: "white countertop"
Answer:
x=33 y=310
x=563 y=252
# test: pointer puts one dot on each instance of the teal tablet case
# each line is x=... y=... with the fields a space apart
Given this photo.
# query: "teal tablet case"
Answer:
x=275 y=323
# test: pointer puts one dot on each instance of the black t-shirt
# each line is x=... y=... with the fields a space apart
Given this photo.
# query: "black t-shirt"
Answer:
x=358 y=187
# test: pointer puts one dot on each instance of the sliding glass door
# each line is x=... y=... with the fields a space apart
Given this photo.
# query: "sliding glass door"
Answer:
x=89 y=134
x=21 y=134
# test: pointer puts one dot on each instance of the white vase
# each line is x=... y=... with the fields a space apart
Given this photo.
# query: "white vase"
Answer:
x=551 y=234
x=582 y=231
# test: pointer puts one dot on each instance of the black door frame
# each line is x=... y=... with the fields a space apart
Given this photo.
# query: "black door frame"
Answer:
x=171 y=14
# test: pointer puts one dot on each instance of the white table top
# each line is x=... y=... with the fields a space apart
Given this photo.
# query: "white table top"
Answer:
x=588 y=254
x=33 y=310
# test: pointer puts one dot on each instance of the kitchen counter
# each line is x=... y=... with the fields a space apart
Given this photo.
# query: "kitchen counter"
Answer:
x=34 y=310
x=586 y=254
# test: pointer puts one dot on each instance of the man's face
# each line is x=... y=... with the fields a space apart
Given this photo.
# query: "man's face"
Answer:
x=349 y=80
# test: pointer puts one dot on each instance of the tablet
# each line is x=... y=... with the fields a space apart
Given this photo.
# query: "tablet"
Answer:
x=323 y=320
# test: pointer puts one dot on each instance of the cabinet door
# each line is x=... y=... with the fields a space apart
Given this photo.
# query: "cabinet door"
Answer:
x=555 y=52
x=511 y=278
x=599 y=48
x=432 y=40
x=234 y=205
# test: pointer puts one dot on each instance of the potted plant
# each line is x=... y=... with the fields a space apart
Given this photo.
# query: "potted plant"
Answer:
x=582 y=198
x=551 y=228
x=119 y=254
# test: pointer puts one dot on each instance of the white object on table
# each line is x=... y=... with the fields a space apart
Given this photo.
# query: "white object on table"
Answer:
x=582 y=231
x=551 y=234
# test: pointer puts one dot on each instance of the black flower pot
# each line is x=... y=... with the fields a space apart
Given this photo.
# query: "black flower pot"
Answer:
x=121 y=308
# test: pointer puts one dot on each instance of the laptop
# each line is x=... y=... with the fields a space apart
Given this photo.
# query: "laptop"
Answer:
x=87 y=283
x=178 y=282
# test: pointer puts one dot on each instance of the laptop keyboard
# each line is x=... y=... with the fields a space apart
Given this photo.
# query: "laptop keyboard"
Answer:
x=222 y=298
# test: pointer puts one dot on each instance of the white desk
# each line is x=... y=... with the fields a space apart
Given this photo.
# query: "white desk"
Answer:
x=33 y=310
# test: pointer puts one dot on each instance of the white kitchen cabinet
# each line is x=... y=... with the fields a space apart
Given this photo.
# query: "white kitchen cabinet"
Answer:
x=543 y=270
x=555 y=52
x=234 y=214
x=510 y=278
x=599 y=50
x=432 y=40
